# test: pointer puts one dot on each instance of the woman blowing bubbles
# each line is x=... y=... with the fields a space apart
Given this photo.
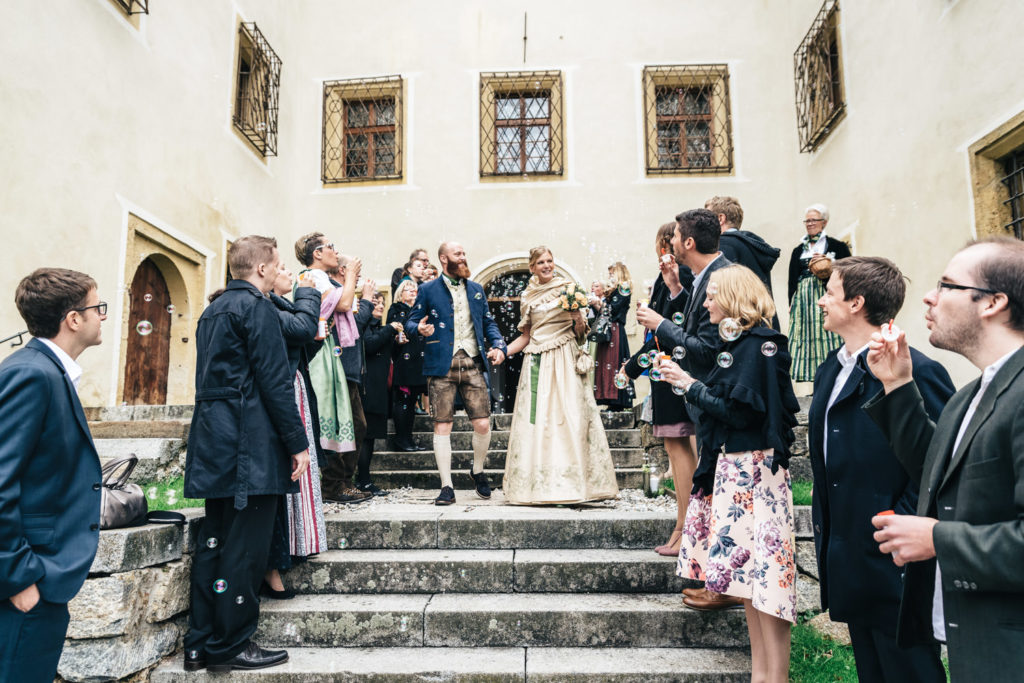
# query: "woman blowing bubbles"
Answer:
x=739 y=535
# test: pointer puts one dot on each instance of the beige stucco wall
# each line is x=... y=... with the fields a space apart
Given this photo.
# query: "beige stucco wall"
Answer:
x=103 y=119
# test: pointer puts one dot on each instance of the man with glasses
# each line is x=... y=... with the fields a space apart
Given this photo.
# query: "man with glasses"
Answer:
x=49 y=472
x=965 y=547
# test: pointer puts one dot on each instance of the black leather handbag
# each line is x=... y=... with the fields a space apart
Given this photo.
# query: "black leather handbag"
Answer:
x=121 y=504
x=601 y=332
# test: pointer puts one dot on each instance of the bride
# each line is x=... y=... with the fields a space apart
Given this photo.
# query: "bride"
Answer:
x=557 y=450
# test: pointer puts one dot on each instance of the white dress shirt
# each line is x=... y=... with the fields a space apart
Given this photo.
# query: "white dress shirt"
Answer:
x=938 y=615
x=73 y=369
x=847 y=361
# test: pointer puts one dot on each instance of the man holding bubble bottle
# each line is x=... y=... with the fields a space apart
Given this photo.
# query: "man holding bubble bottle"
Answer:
x=856 y=474
x=964 y=549
x=694 y=341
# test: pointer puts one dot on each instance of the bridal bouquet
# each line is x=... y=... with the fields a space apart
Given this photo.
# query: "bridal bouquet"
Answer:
x=572 y=298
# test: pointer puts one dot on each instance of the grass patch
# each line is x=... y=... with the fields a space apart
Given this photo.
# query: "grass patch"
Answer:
x=814 y=658
x=802 y=492
x=169 y=495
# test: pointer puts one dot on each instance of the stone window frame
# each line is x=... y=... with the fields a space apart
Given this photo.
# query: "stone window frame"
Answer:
x=333 y=165
x=818 y=76
x=712 y=79
x=521 y=84
x=994 y=208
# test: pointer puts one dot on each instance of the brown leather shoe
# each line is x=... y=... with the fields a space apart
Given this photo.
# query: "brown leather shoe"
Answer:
x=694 y=592
x=712 y=602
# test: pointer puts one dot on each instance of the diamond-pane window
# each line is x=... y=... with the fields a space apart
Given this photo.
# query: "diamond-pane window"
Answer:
x=362 y=135
x=688 y=122
x=521 y=123
x=819 y=84
x=134 y=6
x=1013 y=166
x=256 y=96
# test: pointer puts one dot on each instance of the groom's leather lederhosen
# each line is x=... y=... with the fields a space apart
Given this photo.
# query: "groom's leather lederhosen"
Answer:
x=467 y=372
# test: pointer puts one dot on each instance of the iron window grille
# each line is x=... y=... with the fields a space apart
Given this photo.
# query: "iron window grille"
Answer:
x=688 y=121
x=1013 y=166
x=819 y=85
x=134 y=6
x=259 y=82
x=362 y=130
x=521 y=123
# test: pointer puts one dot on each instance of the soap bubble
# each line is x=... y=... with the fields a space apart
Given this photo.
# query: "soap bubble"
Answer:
x=729 y=329
x=343 y=543
x=624 y=289
x=151 y=493
x=678 y=318
x=211 y=543
x=644 y=361
x=403 y=624
x=621 y=381
x=147 y=298
x=441 y=325
x=678 y=390
x=655 y=375
x=712 y=288
x=462 y=573
x=220 y=585
x=678 y=353
x=239 y=600
x=170 y=308
x=724 y=359
x=405 y=356
x=653 y=356
x=769 y=349
x=336 y=350
x=144 y=328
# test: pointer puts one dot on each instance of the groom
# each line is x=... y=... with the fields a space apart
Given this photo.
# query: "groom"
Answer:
x=451 y=314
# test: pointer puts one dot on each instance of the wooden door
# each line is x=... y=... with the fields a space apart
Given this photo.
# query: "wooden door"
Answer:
x=149 y=337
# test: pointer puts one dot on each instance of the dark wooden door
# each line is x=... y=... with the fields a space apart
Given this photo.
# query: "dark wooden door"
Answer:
x=149 y=337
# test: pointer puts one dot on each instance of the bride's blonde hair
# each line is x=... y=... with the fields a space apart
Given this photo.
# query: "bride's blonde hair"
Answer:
x=741 y=295
x=537 y=252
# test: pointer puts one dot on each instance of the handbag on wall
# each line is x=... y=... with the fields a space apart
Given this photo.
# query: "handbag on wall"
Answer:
x=121 y=504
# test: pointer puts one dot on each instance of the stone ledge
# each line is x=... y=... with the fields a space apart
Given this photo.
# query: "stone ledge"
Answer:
x=106 y=659
x=122 y=550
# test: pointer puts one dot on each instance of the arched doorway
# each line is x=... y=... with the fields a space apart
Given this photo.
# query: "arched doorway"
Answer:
x=147 y=356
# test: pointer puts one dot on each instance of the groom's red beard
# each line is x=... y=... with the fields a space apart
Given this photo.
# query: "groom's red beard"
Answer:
x=457 y=270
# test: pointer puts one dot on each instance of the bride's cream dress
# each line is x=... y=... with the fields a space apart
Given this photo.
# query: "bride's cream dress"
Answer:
x=557 y=450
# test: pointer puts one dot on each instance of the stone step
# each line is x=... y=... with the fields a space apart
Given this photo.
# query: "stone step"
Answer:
x=628 y=478
x=139 y=429
x=486 y=571
x=463 y=441
x=494 y=526
x=384 y=461
x=490 y=665
x=159 y=458
x=498 y=620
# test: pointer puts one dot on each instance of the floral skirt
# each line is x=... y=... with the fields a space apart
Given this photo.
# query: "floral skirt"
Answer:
x=740 y=540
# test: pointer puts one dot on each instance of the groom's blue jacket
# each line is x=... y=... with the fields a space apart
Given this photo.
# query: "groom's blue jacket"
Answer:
x=435 y=301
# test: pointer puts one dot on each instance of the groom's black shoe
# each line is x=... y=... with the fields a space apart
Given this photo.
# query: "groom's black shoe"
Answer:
x=447 y=496
x=483 y=487
x=252 y=657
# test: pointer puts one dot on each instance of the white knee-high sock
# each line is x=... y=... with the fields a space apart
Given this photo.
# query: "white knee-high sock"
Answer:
x=443 y=457
x=481 y=442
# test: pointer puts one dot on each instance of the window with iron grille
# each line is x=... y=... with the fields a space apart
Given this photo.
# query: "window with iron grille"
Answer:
x=362 y=130
x=688 y=124
x=134 y=6
x=819 y=82
x=256 y=96
x=521 y=123
x=1013 y=167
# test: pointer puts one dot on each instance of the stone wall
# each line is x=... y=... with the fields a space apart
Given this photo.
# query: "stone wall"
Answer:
x=131 y=610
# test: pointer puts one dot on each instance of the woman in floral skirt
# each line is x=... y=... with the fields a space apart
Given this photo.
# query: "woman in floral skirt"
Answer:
x=739 y=535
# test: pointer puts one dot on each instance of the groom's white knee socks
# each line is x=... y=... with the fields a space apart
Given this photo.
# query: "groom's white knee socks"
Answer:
x=443 y=457
x=481 y=442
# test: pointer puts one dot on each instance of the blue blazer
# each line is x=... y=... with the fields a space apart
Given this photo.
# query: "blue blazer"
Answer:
x=434 y=300
x=49 y=478
x=858 y=583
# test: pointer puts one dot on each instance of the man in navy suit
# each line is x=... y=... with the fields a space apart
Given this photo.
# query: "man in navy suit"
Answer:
x=856 y=474
x=451 y=314
x=49 y=472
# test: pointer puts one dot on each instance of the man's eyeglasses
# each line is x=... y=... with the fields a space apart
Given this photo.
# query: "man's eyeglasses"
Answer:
x=328 y=245
x=812 y=221
x=941 y=285
x=101 y=308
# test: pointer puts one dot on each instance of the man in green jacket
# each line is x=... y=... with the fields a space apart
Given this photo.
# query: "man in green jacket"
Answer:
x=964 y=550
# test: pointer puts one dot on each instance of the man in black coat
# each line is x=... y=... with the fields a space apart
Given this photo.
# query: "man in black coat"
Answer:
x=245 y=442
x=49 y=472
x=856 y=475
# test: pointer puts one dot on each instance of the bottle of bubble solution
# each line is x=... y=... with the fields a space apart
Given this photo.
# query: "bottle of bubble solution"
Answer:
x=321 y=329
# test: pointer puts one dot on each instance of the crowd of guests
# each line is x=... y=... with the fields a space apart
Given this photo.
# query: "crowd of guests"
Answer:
x=917 y=502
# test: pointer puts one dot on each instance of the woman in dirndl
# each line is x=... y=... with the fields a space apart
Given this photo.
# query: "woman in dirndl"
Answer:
x=809 y=268
x=612 y=354
x=739 y=535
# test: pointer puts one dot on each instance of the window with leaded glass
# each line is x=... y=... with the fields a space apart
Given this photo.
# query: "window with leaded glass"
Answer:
x=688 y=122
x=818 y=73
x=362 y=130
x=521 y=124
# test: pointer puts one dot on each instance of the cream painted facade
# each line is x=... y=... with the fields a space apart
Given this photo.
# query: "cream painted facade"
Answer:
x=119 y=143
